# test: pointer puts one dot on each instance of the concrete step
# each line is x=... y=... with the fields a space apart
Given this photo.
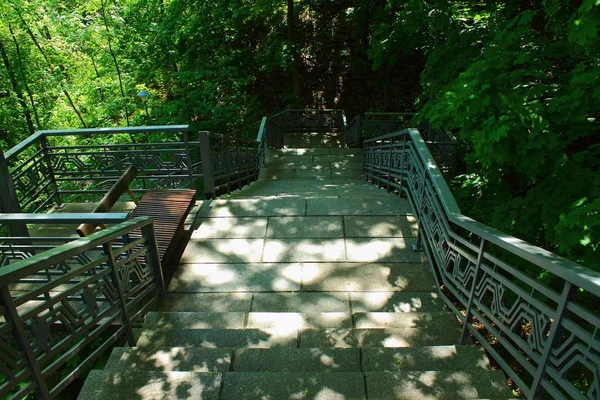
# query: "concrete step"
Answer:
x=296 y=277
x=422 y=358
x=299 y=301
x=293 y=385
x=190 y=359
x=426 y=358
x=133 y=384
x=308 y=319
x=442 y=385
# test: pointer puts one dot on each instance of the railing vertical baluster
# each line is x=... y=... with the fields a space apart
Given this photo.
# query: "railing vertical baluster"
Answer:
x=188 y=157
x=18 y=331
x=553 y=339
x=207 y=165
x=153 y=258
x=476 y=277
x=402 y=165
x=122 y=301
x=57 y=197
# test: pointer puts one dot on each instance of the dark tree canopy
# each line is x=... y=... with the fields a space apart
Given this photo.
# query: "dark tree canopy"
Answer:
x=515 y=81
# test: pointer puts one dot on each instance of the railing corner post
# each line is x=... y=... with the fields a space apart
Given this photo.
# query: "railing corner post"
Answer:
x=207 y=166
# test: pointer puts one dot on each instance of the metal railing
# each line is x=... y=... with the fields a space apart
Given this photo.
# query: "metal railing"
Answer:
x=233 y=162
x=352 y=135
x=44 y=173
x=534 y=312
x=73 y=302
x=441 y=143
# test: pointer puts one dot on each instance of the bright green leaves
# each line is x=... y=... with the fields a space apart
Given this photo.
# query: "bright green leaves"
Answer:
x=585 y=23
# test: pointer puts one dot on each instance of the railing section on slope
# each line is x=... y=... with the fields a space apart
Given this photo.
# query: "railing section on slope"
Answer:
x=440 y=143
x=73 y=302
x=272 y=128
x=534 y=312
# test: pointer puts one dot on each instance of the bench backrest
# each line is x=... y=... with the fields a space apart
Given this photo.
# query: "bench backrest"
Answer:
x=110 y=198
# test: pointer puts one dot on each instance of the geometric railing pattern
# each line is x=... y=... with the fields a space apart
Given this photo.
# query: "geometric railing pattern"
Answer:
x=43 y=173
x=534 y=312
x=75 y=300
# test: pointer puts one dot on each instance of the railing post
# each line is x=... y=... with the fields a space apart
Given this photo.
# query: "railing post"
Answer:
x=122 y=301
x=8 y=198
x=18 y=331
x=476 y=277
x=153 y=258
x=57 y=197
x=207 y=166
x=188 y=157
x=553 y=340
x=389 y=174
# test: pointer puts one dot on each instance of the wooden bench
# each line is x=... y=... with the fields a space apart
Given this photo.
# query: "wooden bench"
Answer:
x=168 y=209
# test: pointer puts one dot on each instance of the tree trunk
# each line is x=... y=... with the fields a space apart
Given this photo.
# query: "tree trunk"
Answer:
x=13 y=81
x=114 y=57
x=24 y=77
x=32 y=36
x=295 y=57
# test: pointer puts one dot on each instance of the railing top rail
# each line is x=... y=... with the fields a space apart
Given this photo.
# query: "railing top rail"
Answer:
x=21 y=269
x=230 y=137
x=568 y=270
x=92 y=131
x=367 y=114
x=63 y=218
x=261 y=130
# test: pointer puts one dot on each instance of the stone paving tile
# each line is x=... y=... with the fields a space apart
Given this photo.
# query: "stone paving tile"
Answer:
x=293 y=385
x=222 y=251
x=176 y=359
x=212 y=338
x=214 y=302
x=447 y=385
x=365 y=226
x=313 y=151
x=297 y=360
x=316 y=174
x=395 y=301
x=386 y=338
x=385 y=320
x=367 y=277
x=358 y=206
x=383 y=250
x=168 y=385
x=313 y=166
x=257 y=207
x=275 y=174
x=236 y=278
x=291 y=250
x=195 y=320
x=301 y=302
x=295 y=321
x=230 y=228
x=305 y=227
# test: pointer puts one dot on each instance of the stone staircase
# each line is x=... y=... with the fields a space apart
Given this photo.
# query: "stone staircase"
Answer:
x=301 y=286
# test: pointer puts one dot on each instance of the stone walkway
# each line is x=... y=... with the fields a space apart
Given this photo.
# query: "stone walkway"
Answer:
x=301 y=286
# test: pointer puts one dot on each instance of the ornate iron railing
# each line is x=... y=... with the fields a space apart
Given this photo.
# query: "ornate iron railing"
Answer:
x=352 y=135
x=441 y=143
x=74 y=302
x=234 y=162
x=44 y=173
x=534 y=312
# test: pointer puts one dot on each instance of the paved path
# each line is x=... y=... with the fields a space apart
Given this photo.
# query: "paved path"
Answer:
x=302 y=286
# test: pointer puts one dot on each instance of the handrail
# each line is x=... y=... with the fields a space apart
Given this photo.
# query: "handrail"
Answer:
x=63 y=218
x=487 y=276
x=566 y=269
x=71 y=298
